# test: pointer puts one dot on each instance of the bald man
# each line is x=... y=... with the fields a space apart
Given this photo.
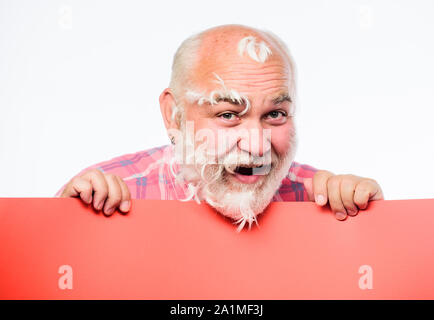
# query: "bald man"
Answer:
x=229 y=114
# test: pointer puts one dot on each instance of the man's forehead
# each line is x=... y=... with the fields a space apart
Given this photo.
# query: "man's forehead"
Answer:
x=227 y=86
x=239 y=54
x=270 y=79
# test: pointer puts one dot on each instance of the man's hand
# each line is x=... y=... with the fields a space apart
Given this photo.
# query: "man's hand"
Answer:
x=106 y=191
x=346 y=194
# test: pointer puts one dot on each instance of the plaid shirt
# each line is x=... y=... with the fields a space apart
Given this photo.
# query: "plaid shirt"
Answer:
x=148 y=176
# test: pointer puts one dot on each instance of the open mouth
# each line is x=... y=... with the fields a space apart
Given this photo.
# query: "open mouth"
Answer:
x=249 y=170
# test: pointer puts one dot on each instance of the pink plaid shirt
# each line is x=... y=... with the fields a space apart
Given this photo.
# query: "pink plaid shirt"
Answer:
x=148 y=176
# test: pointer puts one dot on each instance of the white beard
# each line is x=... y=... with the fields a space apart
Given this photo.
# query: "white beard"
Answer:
x=233 y=199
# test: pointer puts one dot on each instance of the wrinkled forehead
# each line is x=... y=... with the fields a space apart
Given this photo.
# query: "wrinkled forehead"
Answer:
x=246 y=61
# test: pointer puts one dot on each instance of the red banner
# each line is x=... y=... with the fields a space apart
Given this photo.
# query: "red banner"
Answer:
x=62 y=249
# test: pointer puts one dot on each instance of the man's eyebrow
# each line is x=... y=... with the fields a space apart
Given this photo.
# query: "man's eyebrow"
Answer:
x=231 y=100
x=281 y=98
x=231 y=96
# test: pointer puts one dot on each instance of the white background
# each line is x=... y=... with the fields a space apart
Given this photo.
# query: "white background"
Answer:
x=79 y=84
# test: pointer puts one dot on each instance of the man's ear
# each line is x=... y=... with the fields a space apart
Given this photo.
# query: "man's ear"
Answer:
x=168 y=109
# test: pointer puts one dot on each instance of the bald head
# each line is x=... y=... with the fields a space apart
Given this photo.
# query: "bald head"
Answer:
x=222 y=48
x=224 y=39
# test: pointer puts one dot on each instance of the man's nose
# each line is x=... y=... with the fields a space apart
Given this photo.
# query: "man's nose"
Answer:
x=257 y=141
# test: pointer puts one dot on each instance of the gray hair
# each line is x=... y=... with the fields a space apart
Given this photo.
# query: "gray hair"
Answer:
x=183 y=61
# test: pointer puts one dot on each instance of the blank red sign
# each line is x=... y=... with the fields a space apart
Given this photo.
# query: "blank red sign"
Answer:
x=177 y=250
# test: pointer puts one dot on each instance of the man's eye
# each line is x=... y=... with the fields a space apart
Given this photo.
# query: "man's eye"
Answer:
x=276 y=114
x=228 y=116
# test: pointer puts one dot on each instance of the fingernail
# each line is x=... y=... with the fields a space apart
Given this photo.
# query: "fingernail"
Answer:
x=109 y=211
x=319 y=199
x=340 y=215
x=99 y=205
x=352 y=212
x=125 y=206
